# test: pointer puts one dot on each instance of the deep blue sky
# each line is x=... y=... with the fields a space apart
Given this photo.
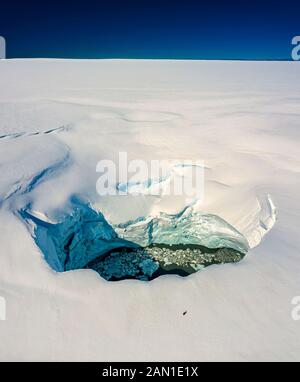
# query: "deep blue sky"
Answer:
x=150 y=29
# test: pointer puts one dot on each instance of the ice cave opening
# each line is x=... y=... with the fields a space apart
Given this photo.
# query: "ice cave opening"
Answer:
x=143 y=249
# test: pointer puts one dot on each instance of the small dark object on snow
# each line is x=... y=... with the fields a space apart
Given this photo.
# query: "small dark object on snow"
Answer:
x=184 y=313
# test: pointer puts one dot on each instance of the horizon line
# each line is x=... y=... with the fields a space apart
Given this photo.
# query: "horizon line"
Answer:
x=150 y=59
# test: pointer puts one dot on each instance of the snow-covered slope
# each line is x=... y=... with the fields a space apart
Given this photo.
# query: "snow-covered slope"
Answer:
x=59 y=118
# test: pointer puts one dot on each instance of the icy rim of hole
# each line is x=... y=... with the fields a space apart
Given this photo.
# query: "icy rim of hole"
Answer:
x=143 y=249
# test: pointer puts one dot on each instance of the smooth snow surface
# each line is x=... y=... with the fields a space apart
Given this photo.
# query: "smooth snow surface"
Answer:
x=59 y=118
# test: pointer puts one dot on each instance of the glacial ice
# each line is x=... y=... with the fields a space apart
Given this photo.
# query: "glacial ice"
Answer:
x=185 y=228
x=84 y=239
x=76 y=240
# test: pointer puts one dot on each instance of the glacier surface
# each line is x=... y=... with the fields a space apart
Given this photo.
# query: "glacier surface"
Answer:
x=58 y=118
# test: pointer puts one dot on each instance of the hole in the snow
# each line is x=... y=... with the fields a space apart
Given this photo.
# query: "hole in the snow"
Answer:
x=145 y=249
